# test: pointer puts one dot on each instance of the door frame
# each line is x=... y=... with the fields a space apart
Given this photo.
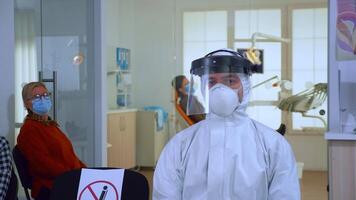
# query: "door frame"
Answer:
x=7 y=70
x=100 y=132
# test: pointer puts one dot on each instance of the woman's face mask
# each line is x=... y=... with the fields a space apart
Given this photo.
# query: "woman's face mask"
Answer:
x=40 y=101
x=41 y=104
x=187 y=89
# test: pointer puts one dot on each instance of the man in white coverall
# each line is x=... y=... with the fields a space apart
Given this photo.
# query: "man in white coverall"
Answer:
x=227 y=155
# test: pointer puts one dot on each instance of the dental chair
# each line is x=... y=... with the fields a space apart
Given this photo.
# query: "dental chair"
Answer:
x=181 y=120
x=306 y=100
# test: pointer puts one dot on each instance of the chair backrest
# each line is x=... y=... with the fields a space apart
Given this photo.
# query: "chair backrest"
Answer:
x=181 y=112
x=282 y=129
x=135 y=185
x=22 y=169
x=12 y=190
x=180 y=121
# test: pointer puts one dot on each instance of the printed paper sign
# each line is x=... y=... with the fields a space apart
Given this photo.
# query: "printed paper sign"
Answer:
x=123 y=58
x=346 y=30
x=98 y=184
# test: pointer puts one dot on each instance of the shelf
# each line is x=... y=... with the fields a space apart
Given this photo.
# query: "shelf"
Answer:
x=116 y=71
x=112 y=72
x=340 y=136
x=124 y=70
x=123 y=110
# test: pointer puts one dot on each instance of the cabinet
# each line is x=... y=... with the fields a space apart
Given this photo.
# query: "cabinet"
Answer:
x=150 y=140
x=122 y=138
x=342 y=138
x=341 y=135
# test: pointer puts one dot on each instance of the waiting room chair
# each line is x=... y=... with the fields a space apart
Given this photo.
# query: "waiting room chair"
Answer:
x=22 y=169
x=135 y=186
x=12 y=189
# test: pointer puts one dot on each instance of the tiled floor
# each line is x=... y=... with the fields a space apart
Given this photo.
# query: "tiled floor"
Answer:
x=313 y=185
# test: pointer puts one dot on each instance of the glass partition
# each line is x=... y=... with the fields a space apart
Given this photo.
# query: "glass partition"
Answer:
x=347 y=97
x=55 y=44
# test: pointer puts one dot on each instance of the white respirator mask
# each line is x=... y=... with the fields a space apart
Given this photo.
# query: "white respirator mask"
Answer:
x=223 y=100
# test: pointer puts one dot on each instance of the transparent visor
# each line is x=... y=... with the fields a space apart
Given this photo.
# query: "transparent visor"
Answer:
x=200 y=87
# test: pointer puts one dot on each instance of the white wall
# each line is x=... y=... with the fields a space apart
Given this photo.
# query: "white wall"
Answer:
x=310 y=149
x=152 y=30
x=154 y=64
x=158 y=39
x=7 y=85
x=119 y=32
x=147 y=29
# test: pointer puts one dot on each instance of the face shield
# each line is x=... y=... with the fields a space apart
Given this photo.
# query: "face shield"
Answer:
x=221 y=80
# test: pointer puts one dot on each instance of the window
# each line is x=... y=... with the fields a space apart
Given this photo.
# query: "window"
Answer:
x=203 y=32
x=248 y=22
x=305 y=63
x=309 y=57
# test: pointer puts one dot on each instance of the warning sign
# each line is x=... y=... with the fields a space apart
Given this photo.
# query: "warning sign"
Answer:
x=100 y=184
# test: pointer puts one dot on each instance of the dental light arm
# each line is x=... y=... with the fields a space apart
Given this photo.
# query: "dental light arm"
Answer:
x=265 y=81
x=266 y=36
x=253 y=54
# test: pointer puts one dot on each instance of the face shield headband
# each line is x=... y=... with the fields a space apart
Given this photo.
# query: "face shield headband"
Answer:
x=233 y=63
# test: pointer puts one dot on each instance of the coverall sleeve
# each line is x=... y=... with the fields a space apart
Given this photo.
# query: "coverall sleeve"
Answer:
x=167 y=181
x=284 y=182
x=36 y=153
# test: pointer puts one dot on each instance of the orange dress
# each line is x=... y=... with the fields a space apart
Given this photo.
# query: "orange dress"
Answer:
x=48 y=151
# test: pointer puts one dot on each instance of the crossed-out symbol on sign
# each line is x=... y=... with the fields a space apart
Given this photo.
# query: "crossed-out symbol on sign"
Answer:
x=107 y=187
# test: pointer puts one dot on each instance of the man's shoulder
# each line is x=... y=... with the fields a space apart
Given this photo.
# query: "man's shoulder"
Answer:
x=270 y=137
x=190 y=131
x=263 y=128
x=186 y=135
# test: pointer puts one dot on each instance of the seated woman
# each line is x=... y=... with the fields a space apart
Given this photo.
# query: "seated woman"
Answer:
x=181 y=85
x=47 y=149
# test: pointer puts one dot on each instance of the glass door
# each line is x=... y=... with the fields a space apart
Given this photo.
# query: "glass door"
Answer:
x=59 y=51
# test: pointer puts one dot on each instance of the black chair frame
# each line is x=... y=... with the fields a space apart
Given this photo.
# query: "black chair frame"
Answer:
x=22 y=169
x=135 y=185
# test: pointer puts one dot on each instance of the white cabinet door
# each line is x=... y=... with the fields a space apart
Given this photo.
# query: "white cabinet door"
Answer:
x=122 y=140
